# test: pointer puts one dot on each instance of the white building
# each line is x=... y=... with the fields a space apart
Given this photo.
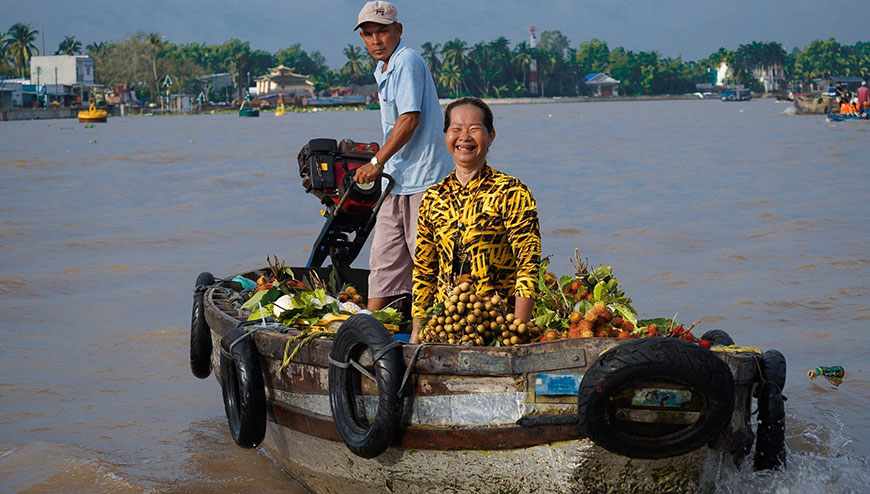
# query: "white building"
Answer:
x=66 y=77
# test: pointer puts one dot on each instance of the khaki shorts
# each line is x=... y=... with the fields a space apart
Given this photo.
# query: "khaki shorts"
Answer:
x=392 y=254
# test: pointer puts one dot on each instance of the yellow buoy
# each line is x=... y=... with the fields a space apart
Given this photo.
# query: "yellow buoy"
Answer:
x=281 y=111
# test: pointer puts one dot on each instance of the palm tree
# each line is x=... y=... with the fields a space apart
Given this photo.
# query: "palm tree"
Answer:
x=20 y=44
x=95 y=49
x=522 y=57
x=430 y=55
x=354 y=68
x=69 y=46
x=450 y=77
x=155 y=43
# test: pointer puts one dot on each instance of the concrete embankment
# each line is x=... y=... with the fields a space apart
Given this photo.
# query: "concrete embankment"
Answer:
x=38 y=113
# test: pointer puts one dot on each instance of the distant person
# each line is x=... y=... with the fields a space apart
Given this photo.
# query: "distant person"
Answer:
x=413 y=152
x=863 y=97
x=477 y=223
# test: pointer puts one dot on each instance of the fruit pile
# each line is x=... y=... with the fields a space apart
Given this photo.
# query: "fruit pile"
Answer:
x=472 y=319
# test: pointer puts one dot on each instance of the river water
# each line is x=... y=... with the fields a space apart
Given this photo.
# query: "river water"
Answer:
x=741 y=215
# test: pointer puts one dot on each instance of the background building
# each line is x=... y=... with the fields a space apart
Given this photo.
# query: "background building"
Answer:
x=68 y=79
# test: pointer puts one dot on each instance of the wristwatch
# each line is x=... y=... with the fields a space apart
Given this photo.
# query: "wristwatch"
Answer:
x=376 y=163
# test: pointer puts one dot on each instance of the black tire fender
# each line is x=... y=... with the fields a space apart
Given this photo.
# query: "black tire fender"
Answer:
x=770 y=433
x=200 y=333
x=242 y=388
x=616 y=378
x=718 y=337
x=357 y=333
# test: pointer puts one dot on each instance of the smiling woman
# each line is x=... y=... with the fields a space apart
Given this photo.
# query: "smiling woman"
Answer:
x=478 y=224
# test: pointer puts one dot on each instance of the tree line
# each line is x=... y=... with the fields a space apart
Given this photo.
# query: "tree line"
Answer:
x=485 y=69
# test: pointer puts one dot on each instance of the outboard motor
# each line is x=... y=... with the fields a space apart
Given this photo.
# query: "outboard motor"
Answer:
x=327 y=168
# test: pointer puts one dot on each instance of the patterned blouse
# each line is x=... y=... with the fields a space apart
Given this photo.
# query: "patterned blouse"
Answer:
x=488 y=229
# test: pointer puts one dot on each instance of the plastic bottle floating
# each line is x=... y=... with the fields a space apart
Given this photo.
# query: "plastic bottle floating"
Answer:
x=833 y=374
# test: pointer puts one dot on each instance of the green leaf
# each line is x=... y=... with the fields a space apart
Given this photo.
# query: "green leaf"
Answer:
x=545 y=319
x=625 y=313
x=599 y=291
x=262 y=297
x=267 y=312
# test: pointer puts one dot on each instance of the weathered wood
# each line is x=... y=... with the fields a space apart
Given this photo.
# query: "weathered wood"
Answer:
x=444 y=439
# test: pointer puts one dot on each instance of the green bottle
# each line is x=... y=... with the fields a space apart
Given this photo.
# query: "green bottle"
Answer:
x=829 y=372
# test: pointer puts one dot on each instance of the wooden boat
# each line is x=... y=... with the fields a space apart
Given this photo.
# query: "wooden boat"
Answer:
x=817 y=103
x=92 y=114
x=484 y=419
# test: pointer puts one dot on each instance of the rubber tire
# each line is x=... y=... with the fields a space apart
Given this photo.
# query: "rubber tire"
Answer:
x=770 y=433
x=322 y=146
x=243 y=390
x=200 y=333
x=718 y=337
x=364 y=439
x=669 y=359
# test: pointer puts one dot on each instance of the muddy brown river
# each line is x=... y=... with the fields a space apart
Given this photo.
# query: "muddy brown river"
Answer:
x=741 y=215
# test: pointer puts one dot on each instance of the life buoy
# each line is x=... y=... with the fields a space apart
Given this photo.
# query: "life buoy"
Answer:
x=242 y=387
x=718 y=337
x=363 y=437
x=694 y=387
x=200 y=334
x=770 y=433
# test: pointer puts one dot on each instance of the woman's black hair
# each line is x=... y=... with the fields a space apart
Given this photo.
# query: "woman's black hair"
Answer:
x=468 y=100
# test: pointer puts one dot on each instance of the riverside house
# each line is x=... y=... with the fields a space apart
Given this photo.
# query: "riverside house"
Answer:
x=68 y=79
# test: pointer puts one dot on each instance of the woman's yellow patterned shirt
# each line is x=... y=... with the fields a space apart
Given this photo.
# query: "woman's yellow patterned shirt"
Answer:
x=495 y=218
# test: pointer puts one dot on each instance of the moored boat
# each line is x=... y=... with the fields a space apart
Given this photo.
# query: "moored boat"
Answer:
x=92 y=114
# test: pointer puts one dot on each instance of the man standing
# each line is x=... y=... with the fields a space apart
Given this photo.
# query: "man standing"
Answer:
x=863 y=97
x=413 y=152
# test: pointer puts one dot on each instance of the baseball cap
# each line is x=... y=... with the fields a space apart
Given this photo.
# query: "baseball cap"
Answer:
x=377 y=11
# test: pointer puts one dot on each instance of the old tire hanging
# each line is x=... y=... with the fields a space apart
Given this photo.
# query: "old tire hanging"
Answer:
x=242 y=387
x=718 y=337
x=770 y=433
x=200 y=334
x=365 y=438
x=615 y=411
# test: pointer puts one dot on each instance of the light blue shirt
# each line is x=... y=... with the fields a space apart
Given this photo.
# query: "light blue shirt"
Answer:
x=407 y=86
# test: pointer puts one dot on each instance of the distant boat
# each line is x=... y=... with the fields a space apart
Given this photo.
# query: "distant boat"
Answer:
x=817 y=103
x=836 y=117
x=248 y=111
x=92 y=114
x=736 y=95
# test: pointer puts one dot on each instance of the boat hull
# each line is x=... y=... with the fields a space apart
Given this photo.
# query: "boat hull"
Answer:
x=473 y=422
x=815 y=104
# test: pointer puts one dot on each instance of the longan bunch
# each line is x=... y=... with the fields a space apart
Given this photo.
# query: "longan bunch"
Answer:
x=467 y=318
x=516 y=332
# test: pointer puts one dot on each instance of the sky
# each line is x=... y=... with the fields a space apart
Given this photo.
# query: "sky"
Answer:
x=692 y=29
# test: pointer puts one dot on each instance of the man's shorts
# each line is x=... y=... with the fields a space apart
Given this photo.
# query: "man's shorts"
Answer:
x=392 y=254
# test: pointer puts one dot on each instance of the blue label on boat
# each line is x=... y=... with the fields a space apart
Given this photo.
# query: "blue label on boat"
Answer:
x=557 y=384
x=657 y=397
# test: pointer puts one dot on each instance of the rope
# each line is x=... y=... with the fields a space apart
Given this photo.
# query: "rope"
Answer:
x=356 y=365
x=200 y=288
x=305 y=338
x=410 y=367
